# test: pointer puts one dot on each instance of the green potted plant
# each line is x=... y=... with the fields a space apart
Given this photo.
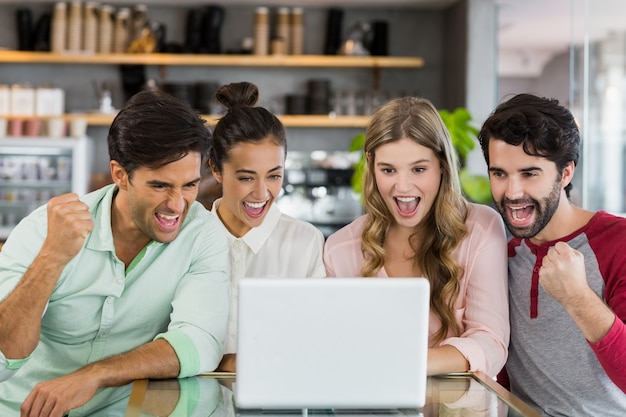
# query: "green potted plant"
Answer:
x=464 y=139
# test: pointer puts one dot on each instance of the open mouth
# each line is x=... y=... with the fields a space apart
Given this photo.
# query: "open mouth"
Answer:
x=255 y=210
x=168 y=222
x=521 y=216
x=407 y=206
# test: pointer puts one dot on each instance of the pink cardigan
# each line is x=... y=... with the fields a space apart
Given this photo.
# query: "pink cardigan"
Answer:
x=481 y=308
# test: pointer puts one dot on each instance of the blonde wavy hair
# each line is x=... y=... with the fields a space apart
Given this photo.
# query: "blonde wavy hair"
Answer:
x=443 y=228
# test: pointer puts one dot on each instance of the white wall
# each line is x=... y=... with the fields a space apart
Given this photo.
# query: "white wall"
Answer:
x=482 y=70
x=553 y=82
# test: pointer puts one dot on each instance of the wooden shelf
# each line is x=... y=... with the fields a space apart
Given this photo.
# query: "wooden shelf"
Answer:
x=322 y=121
x=290 y=61
x=330 y=61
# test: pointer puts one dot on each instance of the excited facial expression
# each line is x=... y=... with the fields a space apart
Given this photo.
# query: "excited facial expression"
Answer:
x=159 y=199
x=251 y=181
x=526 y=189
x=408 y=176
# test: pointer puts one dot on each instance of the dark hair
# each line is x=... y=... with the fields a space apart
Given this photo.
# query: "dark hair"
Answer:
x=542 y=126
x=242 y=122
x=154 y=129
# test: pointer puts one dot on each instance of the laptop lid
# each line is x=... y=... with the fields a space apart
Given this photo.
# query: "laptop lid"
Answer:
x=332 y=343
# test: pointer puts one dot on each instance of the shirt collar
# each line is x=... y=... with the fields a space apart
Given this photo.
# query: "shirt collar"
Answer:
x=256 y=237
x=101 y=237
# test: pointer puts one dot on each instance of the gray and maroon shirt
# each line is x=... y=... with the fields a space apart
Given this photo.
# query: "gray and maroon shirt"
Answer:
x=551 y=365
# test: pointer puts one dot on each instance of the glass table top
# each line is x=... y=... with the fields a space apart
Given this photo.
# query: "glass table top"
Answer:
x=462 y=395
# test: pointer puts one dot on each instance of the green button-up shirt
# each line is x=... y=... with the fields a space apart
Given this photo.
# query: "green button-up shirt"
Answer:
x=177 y=291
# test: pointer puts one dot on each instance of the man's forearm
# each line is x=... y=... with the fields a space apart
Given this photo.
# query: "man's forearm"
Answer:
x=156 y=360
x=21 y=311
x=68 y=224
x=592 y=315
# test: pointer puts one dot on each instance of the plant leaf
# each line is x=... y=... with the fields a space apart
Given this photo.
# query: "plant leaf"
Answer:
x=358 y=142
x=475 y=187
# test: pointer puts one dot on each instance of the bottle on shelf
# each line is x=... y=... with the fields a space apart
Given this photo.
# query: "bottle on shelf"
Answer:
x=59 y=27
x=282 y=28
x=75 y=27
x=105 y=30
x=121 y=32
x=90 y=27
x=42 y=31
x=193 y=31
x=24 y=23
x=261 y=31
x=211 y=30
x=334 y=24
x=297 y=31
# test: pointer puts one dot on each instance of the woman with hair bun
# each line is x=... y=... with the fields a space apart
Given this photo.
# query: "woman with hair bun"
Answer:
x=247 y=157
x=418 y=224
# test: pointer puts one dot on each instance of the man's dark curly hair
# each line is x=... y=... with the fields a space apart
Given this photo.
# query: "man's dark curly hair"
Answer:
x=541 y=125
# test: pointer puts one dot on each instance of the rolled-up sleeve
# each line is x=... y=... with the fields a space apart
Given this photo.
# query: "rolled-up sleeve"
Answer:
x=9 y=366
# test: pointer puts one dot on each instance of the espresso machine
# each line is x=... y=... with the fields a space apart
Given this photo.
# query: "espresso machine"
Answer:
x=317 y=188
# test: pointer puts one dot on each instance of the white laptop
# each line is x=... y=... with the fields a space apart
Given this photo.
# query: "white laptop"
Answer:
x=332 y=343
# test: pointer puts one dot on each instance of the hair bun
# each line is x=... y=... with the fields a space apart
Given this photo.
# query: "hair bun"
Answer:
x=234 y=95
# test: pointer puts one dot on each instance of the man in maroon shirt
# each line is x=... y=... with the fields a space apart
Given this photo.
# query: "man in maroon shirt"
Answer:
x=567 y=268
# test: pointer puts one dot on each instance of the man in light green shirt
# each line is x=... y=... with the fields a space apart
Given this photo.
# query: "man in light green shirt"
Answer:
x=125 y=283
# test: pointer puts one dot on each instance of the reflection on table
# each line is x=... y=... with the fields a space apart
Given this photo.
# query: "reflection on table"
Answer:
x=462 y=395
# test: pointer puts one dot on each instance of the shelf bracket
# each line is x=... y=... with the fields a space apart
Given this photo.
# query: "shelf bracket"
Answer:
x=163 y=72
x=376 y=77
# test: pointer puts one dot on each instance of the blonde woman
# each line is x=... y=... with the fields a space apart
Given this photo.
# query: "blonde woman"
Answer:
x=418 y=224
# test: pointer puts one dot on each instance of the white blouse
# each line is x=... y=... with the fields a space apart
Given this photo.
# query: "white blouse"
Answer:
x=281 y=247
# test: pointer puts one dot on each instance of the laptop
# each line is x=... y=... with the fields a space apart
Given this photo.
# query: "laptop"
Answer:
x=332 y=343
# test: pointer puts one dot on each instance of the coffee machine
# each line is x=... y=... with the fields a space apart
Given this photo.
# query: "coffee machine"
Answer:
x=317 y=188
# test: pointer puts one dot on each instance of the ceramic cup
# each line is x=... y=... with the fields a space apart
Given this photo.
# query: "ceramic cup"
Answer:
x=33 y=127
x=78 y=127
x=16 y=127
x=56 y=128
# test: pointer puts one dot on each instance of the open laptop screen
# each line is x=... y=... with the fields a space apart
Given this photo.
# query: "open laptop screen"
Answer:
x=332 y=343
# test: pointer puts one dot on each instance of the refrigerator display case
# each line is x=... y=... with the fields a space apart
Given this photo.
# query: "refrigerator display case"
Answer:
x=32 y=170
